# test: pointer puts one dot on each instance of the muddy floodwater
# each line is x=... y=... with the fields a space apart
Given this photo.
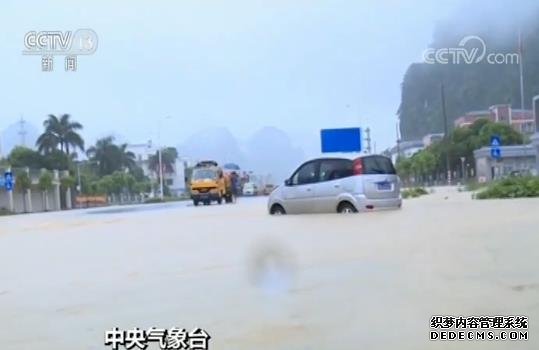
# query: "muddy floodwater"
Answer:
x=311 y=282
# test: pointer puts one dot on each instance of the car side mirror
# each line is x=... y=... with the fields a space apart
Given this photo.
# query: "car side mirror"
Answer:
x=287 y=182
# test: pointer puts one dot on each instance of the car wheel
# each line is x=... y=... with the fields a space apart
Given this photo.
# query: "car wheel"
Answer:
x=195 y=203
x=277 y=209
x=346 y=208
x=220 y=200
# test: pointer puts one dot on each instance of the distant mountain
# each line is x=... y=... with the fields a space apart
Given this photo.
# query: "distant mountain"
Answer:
x=268 y=152
x=215 y=143
x=11 y=137
x=476 y=86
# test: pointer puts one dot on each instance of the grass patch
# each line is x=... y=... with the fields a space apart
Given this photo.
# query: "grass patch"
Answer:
x=511 y=187
x=4 y=211
x=474 y=186
x=165 y=200
x=414 y=192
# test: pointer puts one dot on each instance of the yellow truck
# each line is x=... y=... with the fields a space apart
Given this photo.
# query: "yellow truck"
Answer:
x=210 y=184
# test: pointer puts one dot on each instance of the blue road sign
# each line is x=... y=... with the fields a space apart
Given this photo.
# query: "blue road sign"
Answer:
x=8 y=181
x=495 y=150
x=341 y=140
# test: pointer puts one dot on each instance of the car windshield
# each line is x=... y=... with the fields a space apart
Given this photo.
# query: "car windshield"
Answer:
x=204 y=174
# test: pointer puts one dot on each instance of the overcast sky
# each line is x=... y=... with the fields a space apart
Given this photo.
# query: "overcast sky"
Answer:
x=297 y=65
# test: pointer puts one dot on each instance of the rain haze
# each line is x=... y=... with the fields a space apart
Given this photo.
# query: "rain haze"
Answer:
x=299 y=66
x=198 y=180
x=225 y=69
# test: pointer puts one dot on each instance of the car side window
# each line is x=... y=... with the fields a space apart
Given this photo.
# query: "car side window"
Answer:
x=307 y=174
x=333 y=169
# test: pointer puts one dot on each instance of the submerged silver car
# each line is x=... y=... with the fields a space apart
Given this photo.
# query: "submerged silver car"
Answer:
x=340 y=185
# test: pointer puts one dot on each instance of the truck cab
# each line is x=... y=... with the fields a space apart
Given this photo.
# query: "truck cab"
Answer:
x=209 y=184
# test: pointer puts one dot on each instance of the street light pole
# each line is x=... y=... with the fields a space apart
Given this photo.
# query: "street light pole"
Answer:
x=161 y=194
x=160 y=173
x=79 y=187
x=446 y=134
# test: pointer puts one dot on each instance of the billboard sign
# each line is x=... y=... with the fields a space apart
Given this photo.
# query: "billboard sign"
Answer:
x=341 y=140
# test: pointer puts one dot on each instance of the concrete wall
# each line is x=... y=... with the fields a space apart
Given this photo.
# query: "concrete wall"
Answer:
x=37 y=202
x=4 y=202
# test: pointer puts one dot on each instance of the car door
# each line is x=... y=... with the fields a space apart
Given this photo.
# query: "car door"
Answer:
x=299 y=192
x=331 y=183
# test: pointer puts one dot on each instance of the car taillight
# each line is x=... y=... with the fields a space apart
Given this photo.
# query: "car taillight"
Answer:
x=358 y=166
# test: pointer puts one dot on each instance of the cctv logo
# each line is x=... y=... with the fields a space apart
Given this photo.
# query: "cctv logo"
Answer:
x=80 y=42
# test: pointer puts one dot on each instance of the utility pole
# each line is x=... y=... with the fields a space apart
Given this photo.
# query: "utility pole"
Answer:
x=161 y=194
x=368 y=140
x=446 y=134
x=22 y=131
x=398 y=142
x=521 y=68
x=160 y=174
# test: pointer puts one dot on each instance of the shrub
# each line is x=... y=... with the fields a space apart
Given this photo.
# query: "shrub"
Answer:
x=165 y=199
x=414 y=192
x=45 y=181
x=22 y=181
x=67 y=182
x=4 y=211
x=512 y=187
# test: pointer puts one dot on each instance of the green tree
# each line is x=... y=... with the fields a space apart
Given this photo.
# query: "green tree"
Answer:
x=60 y=133
x=127 y=158
x=22 y=184
x=423 y=164
x=22 y=181
x=21 y=157
x=67 y=182
x=404 y=168
x=56 y=160
x=45 y=184
x=460 y=143
x=507 y=134
x=45 y=181
x=168 y=160
x=111 y=157
x=105 y=185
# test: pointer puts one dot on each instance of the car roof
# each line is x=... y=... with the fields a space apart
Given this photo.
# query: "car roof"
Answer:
x=347 y=157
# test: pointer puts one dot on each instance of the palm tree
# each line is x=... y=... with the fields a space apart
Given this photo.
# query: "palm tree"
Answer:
x=47 y=142
x=127 y=158
x=45 y=185
x=60 y=132
x=103 y=154
x=111 y=157
x=168 y=159
x=23 y=183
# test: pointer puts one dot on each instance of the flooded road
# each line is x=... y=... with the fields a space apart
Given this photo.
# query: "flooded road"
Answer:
x=369 y=281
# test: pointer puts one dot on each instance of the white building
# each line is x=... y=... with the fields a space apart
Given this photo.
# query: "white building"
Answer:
x=406 y=149
x=175 y=181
